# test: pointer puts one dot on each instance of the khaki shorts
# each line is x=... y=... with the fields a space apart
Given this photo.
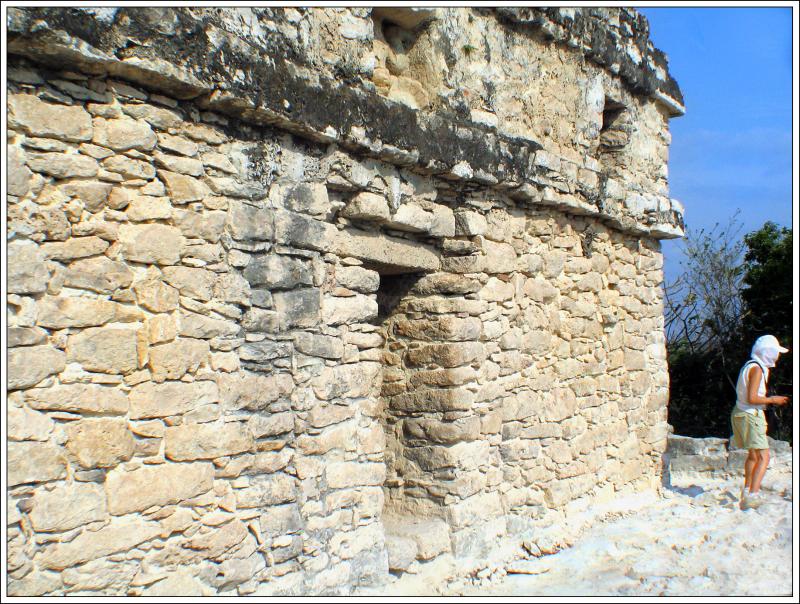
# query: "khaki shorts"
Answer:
x=749 y=430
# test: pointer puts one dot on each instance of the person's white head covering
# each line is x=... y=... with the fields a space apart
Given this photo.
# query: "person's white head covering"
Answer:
x=766 y=350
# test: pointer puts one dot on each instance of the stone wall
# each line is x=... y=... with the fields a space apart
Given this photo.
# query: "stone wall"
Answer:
x=277 y=326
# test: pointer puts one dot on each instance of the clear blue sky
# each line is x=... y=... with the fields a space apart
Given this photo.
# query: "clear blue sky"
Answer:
x=733 y=148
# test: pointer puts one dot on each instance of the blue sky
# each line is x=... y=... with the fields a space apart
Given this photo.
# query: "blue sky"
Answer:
x=732 y=150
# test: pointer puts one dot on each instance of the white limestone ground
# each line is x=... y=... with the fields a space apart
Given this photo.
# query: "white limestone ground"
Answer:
x=692 y=540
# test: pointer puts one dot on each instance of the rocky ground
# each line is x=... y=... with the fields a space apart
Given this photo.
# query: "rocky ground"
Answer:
x=691 y=539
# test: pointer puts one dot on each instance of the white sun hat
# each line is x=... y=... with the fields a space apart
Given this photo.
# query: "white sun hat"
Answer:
x=766 y=350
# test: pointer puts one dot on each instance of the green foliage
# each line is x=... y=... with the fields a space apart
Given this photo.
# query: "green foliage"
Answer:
x=731 y=292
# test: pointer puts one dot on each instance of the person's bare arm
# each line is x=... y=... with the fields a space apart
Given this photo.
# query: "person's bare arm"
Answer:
x=753 y=381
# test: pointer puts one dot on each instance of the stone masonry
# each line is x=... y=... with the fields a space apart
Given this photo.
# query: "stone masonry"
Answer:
x=299 y=298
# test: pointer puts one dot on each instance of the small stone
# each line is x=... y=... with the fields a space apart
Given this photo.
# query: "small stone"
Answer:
x=104 y=349
x=29 y=365
x=160 y=118
x=149 y=400
x=177 y=144
x=129 y=167
x=75 y=247
x=181 y=188
x=67 y=506
x=34 y=462
x=145 y=207
x=27 y=271
x=367 y=206
x=180 y=165
x=278 y=272
x=26 y=424
x=93 y=194
x=207 y=441
x=194 y=283
x=99 y=274
x=156 y=296
x=124 y=134
x=79 y=398
x=175 y=359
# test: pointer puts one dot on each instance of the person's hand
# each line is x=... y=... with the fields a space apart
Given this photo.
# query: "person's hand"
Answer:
x=779 y=400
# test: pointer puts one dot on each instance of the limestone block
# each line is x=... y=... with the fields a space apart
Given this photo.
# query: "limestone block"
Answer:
x=63 y=165
x=151 y=243
x=301 y=231
x=29 y=365
x=200 y=225
x=298 y=307
x=354 y=309
x=179 y=165
x=194 y=325
x=474 y=510
x=499 y=257
x=422 y=400
x=100 y=442
x=308 y=198
x=412 y=218
x=431 y=536
x=182 y=188
x=99 y=274
x=270 y=425
x=149 y=400
x=27 y=424
x=469 y=224
x=367 y=206
x=230 y=187
x=278 y=272
x=38 y=118
x=123 y=134
x=19 y=176
x=160 y=328
x=177 y=144
x=446 y=355
x=67 y=506
x=75 y=247
x=326 y=347
x=220 y=162
x=340 y=436
x=146 y=207
x=353 y=380
x=342 y=475
x=34 y=462
x=432 y=430
x=409 y=92
x=321 y=416
x=129 y=167
x=25 y=336
x=27 y=271
x=232 y=288
x=402 y=552
x=207 y=441
x=79 y=398
x=119 y=536
x=156 y=296
x=246 y=222
x=445 y=283
x=159 y=117
x=162 y=484
x=384 y=250
x=174 y=359
x=441 y=328
x=271 y=490
x=266 y=350
x=194 y=283
x=104 y=349
x=57 y=312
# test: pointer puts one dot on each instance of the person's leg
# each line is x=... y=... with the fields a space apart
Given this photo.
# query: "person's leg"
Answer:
x=749 y=466
x=759 y=470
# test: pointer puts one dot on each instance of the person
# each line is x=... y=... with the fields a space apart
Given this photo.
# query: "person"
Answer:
x=747 y=418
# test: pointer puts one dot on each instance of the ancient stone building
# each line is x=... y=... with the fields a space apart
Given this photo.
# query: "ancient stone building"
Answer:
x=298 y=298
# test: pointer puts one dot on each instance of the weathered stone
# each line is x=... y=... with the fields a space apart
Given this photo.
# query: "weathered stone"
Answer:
x=308 y=198
x=367 y=206
x=99 y=274
x=19 y=176
x=271 y=425
x=25 y=336
x=249 y=222
x=194 y=325
x=27 y=271
x=470 y=223
x=346 y=381
x=207 y=225
x=177 y=144
x=326 y=347
x=104 y=349
x=56 y=312
x=119 y=536
x=431 y=537
x=266 y=491
x=129 y=168
x=124 y=134
x=164 y=484
x=342 y=475
x=233 y=288
x=145 y=207
x=354 y=309
x=76 y=247
x=278 y=272
x=357 y=278
x=446 y=355
x=298 y=308
x=207 y=441
x=195 y=283
x=382 y=250
x=25 y=424
x=93 y=194
x=175 y=359
x=156 y=296
x=301 y=231
x=252 y=391
x=63 y=165
x=161 y=118
x=412 y=218
x=182 y=188
x=34 y=462
x=38 y=118
x=67 y=506
x=100 y=442
x=151 y=243
x=150 y=400
x=442 y=328
x=29 y=365
x=78 y=398
x=179 y=165
x=220 y=162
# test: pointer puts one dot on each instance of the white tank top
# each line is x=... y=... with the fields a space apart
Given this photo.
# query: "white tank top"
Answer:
x=741 y=387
